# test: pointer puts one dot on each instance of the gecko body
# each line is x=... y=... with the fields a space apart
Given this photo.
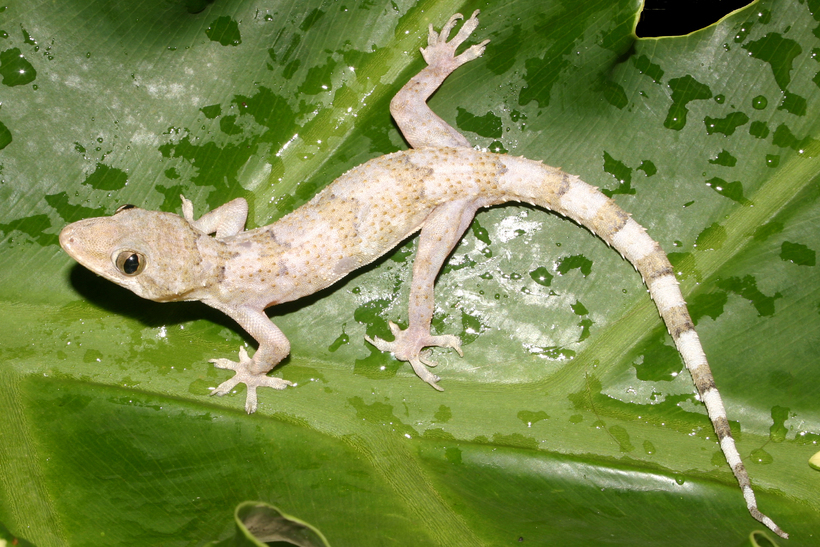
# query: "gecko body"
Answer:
x=435 y=188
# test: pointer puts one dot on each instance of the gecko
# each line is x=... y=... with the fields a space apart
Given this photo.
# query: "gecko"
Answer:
x=434 y=188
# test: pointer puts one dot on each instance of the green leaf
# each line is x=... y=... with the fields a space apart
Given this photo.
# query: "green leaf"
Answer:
x=570 y=419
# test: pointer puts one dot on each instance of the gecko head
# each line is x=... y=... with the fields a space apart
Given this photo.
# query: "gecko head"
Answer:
x=153 y=254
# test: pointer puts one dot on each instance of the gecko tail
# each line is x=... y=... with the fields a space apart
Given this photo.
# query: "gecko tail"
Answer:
x=570 y=196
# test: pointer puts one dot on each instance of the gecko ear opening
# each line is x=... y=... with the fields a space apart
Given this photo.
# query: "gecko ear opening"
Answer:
x=129 y=263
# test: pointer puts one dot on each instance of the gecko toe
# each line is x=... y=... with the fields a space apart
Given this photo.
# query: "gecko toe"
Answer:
x=380 y=344
x=424 y=357
x=225 y=387
x=448 y=26
x=420 y=368
x=250 y=400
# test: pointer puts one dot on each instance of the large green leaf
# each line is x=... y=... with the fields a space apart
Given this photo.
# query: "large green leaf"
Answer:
x=569 y=421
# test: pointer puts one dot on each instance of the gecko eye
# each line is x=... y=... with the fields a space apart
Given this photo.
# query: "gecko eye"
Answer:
x=124 y=207
x=130 y=262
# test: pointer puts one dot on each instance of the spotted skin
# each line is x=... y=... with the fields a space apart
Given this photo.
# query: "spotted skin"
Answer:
x=435 y=188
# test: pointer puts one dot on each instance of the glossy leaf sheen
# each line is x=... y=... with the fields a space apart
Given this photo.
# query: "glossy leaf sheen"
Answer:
x=569 y=421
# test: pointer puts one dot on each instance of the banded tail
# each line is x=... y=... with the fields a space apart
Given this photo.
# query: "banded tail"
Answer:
x=583 y=203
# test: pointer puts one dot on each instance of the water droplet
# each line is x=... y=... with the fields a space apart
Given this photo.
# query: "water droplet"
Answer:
x=720 y=99
x=760 y=456
x=760 y=102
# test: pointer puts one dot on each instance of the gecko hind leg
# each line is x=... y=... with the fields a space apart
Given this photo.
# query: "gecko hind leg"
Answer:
x=245 y=375
x=408 y=345
x=441 y=232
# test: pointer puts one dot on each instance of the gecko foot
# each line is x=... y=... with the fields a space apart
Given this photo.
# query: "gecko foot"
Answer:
x=440 y=53
x=244 y=375
x=408 y=345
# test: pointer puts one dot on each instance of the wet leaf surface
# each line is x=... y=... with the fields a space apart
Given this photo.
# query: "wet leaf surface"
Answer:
x=570 y=419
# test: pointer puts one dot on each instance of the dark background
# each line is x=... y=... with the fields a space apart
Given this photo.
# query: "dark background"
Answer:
x=678 y=17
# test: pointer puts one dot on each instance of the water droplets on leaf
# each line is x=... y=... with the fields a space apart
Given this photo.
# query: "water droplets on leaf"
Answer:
x=709 y=304
x=5 y=136
x=732 y=190
x=657 y=361
x=726 y=125
x=793 y=104
x=798 y=253
x=579 y=262
x=725 y=159
x=746 y=287
x=15 y=69
x=684 y=90
x=621 y=172
x=488 y=125
x=541 y=276
x=106 y=178
x=621 y=435
x=778 y=52
x=341 y=340
x=443 y=414
x=530 y=417
x=224 y=30
x=647 y=167
x=552 y=353
x=778 y=430
x=763 y=232
x=211 y=111
x=784 y=138
x=760 y=456
x=711 y=238
x=759 y=129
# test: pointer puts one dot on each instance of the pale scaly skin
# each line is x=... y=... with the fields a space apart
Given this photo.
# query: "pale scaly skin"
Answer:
x=435 y=188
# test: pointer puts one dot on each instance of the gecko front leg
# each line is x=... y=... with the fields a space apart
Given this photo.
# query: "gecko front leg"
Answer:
x=442 y=230
x=273 y=347
x=226 y=220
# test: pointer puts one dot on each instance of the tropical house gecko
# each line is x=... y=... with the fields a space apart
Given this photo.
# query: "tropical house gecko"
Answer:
x=435 y=188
